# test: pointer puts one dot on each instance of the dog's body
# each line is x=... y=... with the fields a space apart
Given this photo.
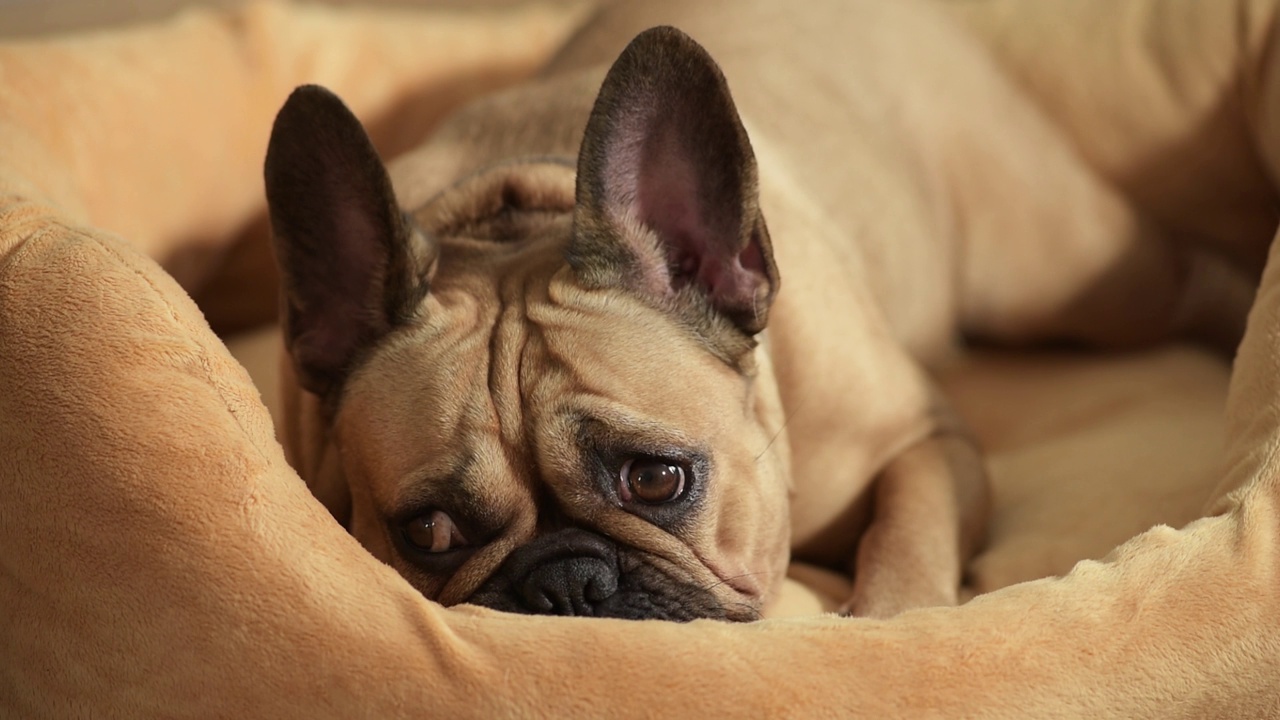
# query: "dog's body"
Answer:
x=576 y=315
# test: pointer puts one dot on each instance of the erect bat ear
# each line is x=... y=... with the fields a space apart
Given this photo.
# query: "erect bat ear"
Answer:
x=666 y=188
x=352 y=265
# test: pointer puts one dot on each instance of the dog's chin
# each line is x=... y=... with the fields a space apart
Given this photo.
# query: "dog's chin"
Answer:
x=579 y=573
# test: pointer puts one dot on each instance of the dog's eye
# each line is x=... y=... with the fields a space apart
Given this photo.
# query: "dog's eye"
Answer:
x=433 y=532
x=652 y=481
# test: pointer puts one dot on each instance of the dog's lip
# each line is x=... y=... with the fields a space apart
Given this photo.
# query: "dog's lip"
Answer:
x=744 y=583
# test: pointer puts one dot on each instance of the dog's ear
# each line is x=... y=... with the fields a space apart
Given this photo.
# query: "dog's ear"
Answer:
x=666 y=188
x=352 y=264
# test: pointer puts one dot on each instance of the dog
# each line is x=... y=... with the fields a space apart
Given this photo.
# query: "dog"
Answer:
x=568 y=379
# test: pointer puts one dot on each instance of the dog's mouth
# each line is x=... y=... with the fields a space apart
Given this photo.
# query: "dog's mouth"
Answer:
x=577 y=572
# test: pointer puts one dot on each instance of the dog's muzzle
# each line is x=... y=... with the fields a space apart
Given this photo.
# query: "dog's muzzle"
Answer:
x=578 y=572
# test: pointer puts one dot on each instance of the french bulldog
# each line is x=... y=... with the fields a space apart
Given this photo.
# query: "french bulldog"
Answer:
x=569 y=379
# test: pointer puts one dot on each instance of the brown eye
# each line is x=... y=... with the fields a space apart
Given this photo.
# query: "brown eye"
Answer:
x=651 y=480
x=433 y=532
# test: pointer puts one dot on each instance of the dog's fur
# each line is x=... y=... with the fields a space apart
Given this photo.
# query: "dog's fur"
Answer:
x=589 y=276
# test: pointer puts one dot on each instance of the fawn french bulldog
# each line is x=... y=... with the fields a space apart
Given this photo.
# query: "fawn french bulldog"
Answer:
x=571 y=378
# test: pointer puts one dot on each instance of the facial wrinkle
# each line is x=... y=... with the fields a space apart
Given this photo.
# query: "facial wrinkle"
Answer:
x=506 y=349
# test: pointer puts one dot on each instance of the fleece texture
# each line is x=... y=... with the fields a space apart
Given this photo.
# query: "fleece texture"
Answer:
x=159 y=558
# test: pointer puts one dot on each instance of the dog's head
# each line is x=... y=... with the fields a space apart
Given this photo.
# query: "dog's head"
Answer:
x=542 y=387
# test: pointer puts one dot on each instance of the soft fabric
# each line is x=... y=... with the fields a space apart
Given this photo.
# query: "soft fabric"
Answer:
x=159 y=558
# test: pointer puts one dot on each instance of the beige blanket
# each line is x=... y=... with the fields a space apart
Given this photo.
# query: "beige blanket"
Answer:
x=159 y=558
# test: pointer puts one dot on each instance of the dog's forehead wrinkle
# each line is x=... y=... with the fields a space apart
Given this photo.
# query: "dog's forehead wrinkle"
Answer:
x=603 y=419
x=462 y=491
x=516 y=286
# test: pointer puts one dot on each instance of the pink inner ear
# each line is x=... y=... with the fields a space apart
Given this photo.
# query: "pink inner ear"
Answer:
x=337 y=318
x=668 y=200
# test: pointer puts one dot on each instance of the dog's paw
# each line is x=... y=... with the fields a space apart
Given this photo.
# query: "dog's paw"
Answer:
x=882 y=602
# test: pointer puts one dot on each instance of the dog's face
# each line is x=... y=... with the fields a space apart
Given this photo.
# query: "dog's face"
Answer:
x=542 y=387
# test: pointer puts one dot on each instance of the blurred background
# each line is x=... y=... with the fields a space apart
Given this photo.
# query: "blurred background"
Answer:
x=41 y=17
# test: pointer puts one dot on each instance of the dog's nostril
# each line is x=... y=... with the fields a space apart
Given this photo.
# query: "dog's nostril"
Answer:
x=570 y=586
x=602 y=587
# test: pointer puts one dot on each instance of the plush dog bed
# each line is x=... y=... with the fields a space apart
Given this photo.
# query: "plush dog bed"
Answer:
x=158 y=557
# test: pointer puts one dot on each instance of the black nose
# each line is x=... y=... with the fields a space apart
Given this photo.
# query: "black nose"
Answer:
x=568 y=572
x=568 y=587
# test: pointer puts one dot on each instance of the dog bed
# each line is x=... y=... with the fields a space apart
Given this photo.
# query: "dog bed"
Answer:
x=158 y=557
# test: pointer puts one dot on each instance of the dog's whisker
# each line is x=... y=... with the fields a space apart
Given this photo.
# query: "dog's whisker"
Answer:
x=785 y=422
x=749 y=613
x=723 y=581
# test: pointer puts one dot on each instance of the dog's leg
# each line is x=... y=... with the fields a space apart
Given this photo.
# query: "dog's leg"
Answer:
x=1214 y=303
x=1050 y=250
x=1171 y=291
x=1116 y=282
x=929 y=512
